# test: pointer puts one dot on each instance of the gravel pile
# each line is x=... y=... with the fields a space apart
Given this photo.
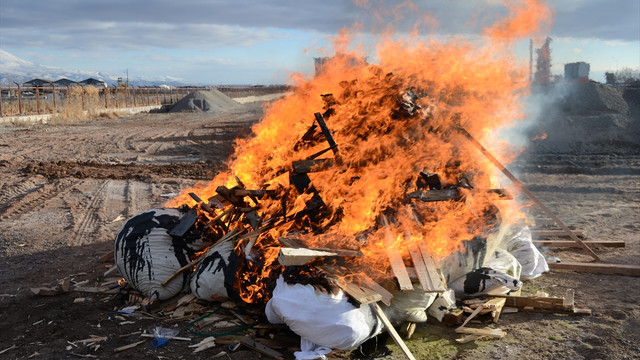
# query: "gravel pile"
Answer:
x=211 y=101
x=592 y=118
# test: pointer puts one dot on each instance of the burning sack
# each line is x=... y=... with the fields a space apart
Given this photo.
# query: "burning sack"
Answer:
x=321 y=318
x=146 y=254
x=215 y=274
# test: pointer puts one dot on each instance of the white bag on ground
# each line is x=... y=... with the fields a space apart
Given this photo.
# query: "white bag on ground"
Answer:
x=321 y=318
x=519 y=244
x=146 y=254
x=484 y=281
x=215 y=274
x=442 y=304
x=410 y=306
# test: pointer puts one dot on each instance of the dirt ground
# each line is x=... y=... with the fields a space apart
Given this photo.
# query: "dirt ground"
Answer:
x=65 y=191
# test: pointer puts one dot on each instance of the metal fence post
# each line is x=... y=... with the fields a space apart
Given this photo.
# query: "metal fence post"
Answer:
x=134 y=96
x=37 y=91
x=82 y=96
x=19 y=99
x=53 y=97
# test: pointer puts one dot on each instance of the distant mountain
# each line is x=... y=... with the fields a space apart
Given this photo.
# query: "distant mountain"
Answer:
x=13 y=69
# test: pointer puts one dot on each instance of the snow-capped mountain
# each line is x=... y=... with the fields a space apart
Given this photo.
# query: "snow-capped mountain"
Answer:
x=13 y=69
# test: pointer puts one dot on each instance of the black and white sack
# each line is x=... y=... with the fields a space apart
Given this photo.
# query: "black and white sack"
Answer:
x=215 y=274
x=146 y=254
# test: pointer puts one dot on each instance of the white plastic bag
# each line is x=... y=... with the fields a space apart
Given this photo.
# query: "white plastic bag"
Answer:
x=484 y=281
x=410 y=306
x=324 y=319
x=519 y=244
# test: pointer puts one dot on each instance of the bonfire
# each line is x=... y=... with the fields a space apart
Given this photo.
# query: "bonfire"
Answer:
x=367 y=183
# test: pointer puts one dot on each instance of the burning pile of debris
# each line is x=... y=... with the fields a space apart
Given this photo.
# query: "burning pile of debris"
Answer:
x=383 y=196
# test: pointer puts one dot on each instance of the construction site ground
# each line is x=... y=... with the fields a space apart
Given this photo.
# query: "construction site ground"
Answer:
x=65 y=191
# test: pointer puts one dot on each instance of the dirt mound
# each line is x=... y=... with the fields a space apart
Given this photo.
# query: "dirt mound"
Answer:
x=211 y=101
x=591 y=118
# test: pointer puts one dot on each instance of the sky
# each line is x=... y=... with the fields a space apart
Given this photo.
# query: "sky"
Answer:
x=216 y=42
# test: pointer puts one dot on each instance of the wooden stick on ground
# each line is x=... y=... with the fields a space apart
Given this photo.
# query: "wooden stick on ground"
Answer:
x=394 y=334
x=617 y=269
x=529 y=194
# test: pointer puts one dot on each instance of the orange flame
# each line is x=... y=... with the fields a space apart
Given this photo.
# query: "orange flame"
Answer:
x=390 y=121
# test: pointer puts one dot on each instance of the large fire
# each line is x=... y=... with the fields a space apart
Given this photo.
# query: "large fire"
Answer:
x=395 y=124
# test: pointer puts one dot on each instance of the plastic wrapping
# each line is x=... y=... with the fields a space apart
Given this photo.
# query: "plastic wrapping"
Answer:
x=519 y=244
x=324 y=319
x=410 y=306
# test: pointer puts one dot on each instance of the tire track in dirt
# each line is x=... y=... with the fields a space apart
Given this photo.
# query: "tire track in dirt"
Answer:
x=28 y=199
x=89 y=222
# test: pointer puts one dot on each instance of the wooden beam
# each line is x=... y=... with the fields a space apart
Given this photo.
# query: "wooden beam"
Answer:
x=436 y=280
x=526 y=191
x=572 y=244
x=395 y=259
x=597 y=268
x=362 y=295
x=421 y=268
x=261 y=348
x=425 y=268
x=547 y=233
x=494 y=333
x=384 y=293
x=392 y=331
x=313 y=165
x=300 y=256
x=541 y=304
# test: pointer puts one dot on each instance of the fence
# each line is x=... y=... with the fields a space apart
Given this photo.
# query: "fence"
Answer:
x=19 y=100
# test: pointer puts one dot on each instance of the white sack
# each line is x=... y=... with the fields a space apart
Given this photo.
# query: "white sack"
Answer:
x=445 y=302
x=484 y=281
x=519 y=244
x=146 y=254
x=321 y=318
x=410 y=306
x=215 y=274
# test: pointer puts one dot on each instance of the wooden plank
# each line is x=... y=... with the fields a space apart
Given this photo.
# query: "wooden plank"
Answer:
x=597 y=268
x=541 y=304
x=494 y=333
x=392 y=331
x=384 y=293
x=362 y=295
x=436 y=280
x=569 y=298
x=313 y=165
x=547 y=233
x=526 y=191
x=250 y=343
x=572 y=244
x=421 y=268
x=300 y=256
x=395 y=259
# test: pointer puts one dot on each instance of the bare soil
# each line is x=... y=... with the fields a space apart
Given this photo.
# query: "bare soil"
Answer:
x=65 y=191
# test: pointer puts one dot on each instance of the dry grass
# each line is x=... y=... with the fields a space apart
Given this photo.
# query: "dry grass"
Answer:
x=81 y=103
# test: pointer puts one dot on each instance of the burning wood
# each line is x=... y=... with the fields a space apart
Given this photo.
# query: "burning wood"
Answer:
x=363 y=177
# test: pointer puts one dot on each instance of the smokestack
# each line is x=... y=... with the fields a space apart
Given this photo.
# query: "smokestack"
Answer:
x=530 y=61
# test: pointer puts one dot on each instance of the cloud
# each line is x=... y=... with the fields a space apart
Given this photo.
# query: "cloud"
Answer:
x=124 y=24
